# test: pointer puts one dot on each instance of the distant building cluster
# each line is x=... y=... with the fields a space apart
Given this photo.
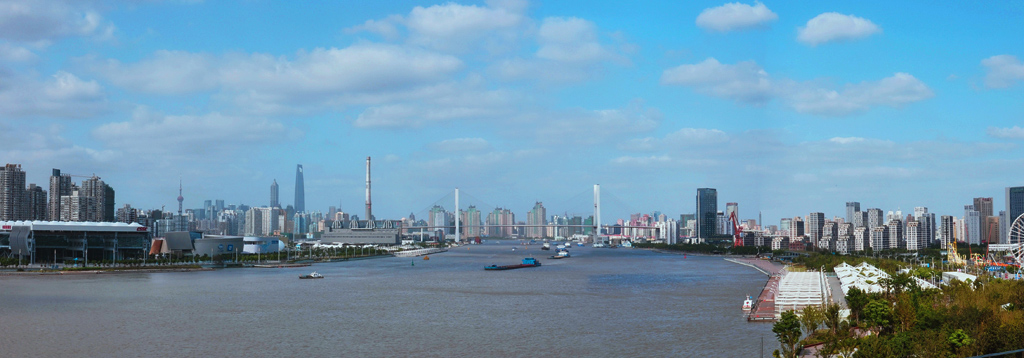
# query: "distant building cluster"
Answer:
x=861 y=230
x=90 y=201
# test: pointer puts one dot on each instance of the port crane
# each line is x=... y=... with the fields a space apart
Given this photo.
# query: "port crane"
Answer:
x=737 y=230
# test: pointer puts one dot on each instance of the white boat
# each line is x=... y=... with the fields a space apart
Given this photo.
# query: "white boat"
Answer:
x=598 y=244
x=748 y=304
x=311 y=276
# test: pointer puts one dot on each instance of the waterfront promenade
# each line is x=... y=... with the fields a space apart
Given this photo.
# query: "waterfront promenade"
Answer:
x=764 y=305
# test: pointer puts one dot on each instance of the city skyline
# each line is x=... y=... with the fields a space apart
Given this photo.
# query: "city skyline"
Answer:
x=785 y=109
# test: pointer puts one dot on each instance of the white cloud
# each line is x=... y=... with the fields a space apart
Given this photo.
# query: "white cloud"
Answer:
x=1003 y=71
x=64 y=95
x=48 y=20
x=29 y=145
x=166 y=72
x=831 y=26
x=454 y=27
x=462 y=145
x=446 y=102
x=1014 y=132
x=13 y=53
x=744 y=81
x=642 y=161
x=191 y=134
x=735 y=16
x=586 y=127
x=894 y=91
x=569 y=40
x=386 y=28
x=266 y=84
x=749 y=83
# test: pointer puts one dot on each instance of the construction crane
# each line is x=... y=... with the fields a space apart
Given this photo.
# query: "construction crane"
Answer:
x=737 y=231
x=952 y=256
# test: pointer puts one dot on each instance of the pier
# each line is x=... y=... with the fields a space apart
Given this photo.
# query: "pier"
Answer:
x=764 y=306
x=418 y=252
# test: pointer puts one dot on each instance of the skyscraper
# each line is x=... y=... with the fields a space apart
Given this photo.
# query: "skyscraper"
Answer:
x=274 y=203
x=731 y=208
x=1014 y=205
x=875 y=218
x=815 y=226
x=852 y=207
x=13 y=205
x=707 y=212
x=60 y=185
x=300 y=191
x=984 y=208
x=97 y=189
x=36 y=197
x=972 y=225
x=537 y=216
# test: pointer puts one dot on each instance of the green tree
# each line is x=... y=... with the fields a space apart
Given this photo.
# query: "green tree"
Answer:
x=856 y=299
x=958 y=340
x=830 y=315
x=787 y=330
x=905 y=312
x=810 y=319
x=878 y=314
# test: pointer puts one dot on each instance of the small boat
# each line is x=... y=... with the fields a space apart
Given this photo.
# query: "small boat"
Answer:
x=562 y=254
x=527 y=262
x=546 y=246
x=425 y=257
x=748 y=304
x=311 y=276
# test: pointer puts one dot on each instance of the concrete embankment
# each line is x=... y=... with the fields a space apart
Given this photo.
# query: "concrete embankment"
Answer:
x=764 y=305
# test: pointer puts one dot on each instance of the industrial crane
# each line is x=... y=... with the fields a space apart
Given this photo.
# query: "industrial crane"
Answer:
x=737 y=231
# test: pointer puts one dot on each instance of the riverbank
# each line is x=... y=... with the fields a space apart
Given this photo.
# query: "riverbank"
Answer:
x=103 y=271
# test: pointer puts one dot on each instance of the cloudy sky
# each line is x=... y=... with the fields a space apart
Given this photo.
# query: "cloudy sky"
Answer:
x=786 y=108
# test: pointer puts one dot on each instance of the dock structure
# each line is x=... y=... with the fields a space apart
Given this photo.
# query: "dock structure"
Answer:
x=419 y=252
x=764 y=306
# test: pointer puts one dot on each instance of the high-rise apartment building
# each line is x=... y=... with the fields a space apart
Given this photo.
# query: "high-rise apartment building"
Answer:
x=471 y=222
x=274 y=203
x=103 y=197
x=852 y=207
x=536 y=216
x=1014 y=205
x=972 y=225
x=300 y=191
x=707 y=212
x=875 y=218
x=13 y=205
x=915 y=239
x=815 y=224
x=36 y=198
x=946 y=229
x=77 y=206
x=984 y=208
x=879 y=238
x=60 y=185
x=731 y=208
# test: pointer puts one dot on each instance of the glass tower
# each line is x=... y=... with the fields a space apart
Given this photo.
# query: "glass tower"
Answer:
x=300 y=191
x=707 y=212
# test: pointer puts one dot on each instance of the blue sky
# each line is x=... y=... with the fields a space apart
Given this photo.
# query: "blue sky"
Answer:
x=786 y=108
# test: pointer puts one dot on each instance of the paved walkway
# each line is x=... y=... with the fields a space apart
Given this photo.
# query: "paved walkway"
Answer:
x=837 y=291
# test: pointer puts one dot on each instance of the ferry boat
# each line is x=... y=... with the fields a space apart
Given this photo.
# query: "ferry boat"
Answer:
x=547 y=246
x=527 y=262
x=562 y=254
x=748 y=304
x=313 y=275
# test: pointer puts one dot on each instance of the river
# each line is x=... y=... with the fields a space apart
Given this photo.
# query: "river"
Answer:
x=599 y=303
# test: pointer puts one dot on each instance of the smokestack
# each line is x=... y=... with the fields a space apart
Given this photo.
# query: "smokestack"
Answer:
x=369 y=206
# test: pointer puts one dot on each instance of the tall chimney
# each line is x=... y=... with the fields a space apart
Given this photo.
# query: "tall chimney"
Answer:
x=368 y=205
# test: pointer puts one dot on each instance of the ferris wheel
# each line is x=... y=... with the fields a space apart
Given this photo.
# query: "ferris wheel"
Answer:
x=1016 y=238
